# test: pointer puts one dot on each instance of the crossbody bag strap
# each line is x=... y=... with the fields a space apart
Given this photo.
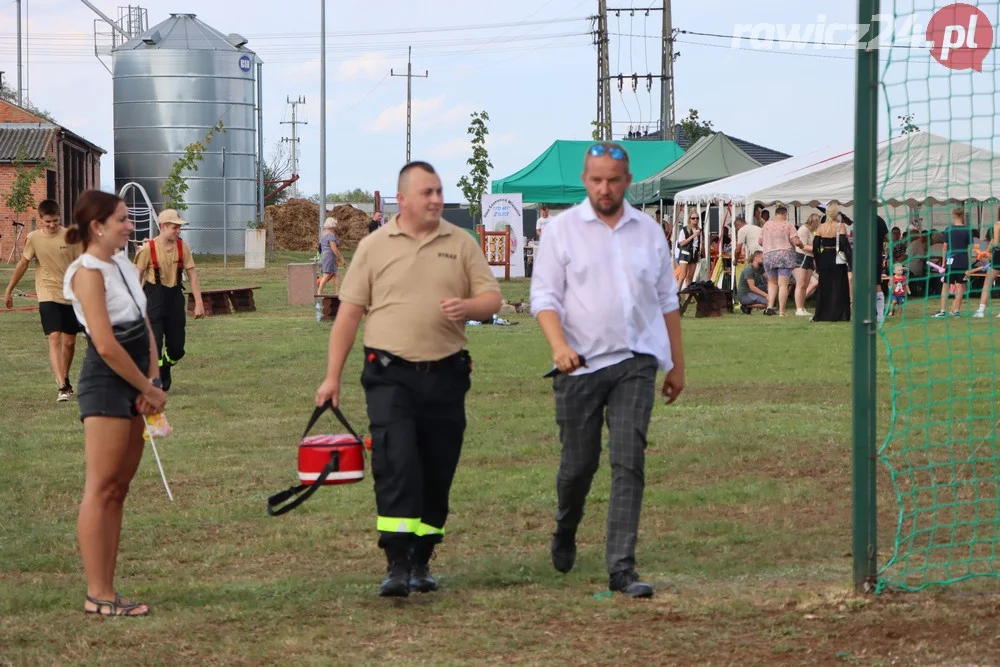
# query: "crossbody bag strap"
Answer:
x=128 y=288
x=304 y=491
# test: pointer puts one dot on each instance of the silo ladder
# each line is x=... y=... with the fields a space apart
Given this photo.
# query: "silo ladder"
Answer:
x=141 y=213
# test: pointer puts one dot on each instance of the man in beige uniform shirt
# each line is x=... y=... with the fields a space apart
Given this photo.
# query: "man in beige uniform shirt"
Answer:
x=52 y=255
x=420 y=279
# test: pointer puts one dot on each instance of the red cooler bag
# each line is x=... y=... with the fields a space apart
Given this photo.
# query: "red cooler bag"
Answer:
x=323 y=459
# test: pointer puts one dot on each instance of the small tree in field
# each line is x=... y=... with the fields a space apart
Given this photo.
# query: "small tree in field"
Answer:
x=19 y=198
x=474 y=184
x=175 y=186
x=693 y=128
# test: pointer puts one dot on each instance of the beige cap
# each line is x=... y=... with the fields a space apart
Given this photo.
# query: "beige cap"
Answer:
x=170 y=217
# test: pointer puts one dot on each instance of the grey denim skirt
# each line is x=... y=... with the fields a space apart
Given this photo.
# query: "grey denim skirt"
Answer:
x=100 y=391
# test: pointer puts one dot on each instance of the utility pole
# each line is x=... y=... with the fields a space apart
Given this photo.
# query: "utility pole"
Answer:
x=294 y=139
x=20 y=88
x=409 y=94
x=667 y=117
x=603 y=73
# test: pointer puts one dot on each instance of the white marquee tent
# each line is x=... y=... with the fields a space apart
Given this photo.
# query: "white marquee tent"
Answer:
x=912 y=170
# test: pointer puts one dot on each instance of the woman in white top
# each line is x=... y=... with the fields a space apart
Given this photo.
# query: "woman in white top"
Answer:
x=119 y=382
x=804 y=270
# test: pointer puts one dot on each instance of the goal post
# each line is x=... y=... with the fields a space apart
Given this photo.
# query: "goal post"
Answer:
x=865 y=326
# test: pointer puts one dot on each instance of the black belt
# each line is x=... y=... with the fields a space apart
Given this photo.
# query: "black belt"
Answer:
x=384 y=359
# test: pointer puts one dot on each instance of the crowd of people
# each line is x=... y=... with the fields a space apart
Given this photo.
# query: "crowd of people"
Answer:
x=816 y=261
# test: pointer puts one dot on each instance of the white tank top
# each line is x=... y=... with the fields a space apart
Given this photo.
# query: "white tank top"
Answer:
x=120 y=296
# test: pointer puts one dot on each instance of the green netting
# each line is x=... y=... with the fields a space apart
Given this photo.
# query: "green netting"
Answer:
x=941 y=446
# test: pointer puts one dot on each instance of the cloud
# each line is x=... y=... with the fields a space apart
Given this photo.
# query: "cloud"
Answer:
x=427 y=112
x=453 y=148
x=371 y=66
x=460 y=147
x=305 y=70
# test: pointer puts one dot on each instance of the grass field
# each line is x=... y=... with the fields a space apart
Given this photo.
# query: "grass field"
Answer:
x=745 y=531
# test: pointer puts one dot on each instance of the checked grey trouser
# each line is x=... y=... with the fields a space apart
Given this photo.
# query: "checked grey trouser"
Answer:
x=626 y=391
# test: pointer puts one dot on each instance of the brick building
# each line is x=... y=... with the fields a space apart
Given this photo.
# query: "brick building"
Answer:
x=76 y=166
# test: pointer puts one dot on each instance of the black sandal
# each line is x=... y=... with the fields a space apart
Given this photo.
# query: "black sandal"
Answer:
x=115 y=607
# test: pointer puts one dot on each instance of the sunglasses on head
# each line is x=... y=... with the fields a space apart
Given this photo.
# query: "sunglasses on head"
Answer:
x=616 y=153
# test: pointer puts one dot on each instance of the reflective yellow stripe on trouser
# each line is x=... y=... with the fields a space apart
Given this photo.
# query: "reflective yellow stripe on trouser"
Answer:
x=423 y=529
x=394 y=524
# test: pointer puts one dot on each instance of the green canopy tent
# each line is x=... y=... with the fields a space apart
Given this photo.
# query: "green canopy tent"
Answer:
x=554 y=176
x=710 y=158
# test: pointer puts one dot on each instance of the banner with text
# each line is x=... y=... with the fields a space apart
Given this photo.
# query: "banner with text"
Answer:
x=501 y=212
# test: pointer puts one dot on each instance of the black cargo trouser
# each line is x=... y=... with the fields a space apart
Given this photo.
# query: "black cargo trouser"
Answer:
x=167 y=311
x=417 y=420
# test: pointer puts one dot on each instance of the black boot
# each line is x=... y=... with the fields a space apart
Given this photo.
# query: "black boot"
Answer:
x=563 y=549
x=165 y=376
x=420 y=574
x=397 y=580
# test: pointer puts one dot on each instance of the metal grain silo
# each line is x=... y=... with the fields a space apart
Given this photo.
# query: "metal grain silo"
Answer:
x=171 y=85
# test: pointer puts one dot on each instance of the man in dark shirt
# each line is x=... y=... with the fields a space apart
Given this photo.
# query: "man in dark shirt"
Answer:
x=957 y=240
x=376 y=222
x=751 y=291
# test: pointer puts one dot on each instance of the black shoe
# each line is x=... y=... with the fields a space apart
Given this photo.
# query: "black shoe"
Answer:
x=563 y=550
x=770 y=311
x=421 y=580
x=627 y=583
x=397 y=581
x=746 y=310
x=165 y=376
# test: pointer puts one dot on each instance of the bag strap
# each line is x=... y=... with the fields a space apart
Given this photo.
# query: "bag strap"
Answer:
x=304 y=491
x=127 y=288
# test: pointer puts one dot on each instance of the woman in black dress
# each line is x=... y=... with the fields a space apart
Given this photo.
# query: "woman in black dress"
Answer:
x=833 y=296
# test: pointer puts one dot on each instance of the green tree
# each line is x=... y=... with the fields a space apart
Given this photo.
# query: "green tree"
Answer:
x=357 y=195
x=906 y=124
x=474 y=185
x=693 y=128
x=20 y=198
x=599 y=132
x=8 y=95
x=175 y=186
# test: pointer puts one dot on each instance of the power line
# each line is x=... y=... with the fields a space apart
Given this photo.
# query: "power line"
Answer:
x=86 y=38
x=787 y=53
x=805 y=42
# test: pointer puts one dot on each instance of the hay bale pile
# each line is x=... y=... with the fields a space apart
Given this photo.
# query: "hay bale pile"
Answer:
x=352 y=225
x=296 y=225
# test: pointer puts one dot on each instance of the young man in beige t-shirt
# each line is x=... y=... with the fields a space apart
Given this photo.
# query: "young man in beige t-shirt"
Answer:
x=52 y=255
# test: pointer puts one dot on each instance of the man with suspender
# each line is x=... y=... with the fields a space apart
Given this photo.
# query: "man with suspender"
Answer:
x=162 y=263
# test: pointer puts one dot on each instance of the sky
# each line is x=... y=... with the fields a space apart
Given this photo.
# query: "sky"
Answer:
x=530 y=64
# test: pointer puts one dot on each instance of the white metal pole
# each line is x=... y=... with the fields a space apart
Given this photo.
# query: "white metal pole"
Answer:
x=322 y=115
x=225 y=215
x=20 y=83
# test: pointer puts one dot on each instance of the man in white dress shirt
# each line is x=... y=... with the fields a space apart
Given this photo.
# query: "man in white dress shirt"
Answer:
x=604 y=294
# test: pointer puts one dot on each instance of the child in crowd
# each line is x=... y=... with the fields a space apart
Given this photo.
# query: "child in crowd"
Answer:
x=900 y=289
